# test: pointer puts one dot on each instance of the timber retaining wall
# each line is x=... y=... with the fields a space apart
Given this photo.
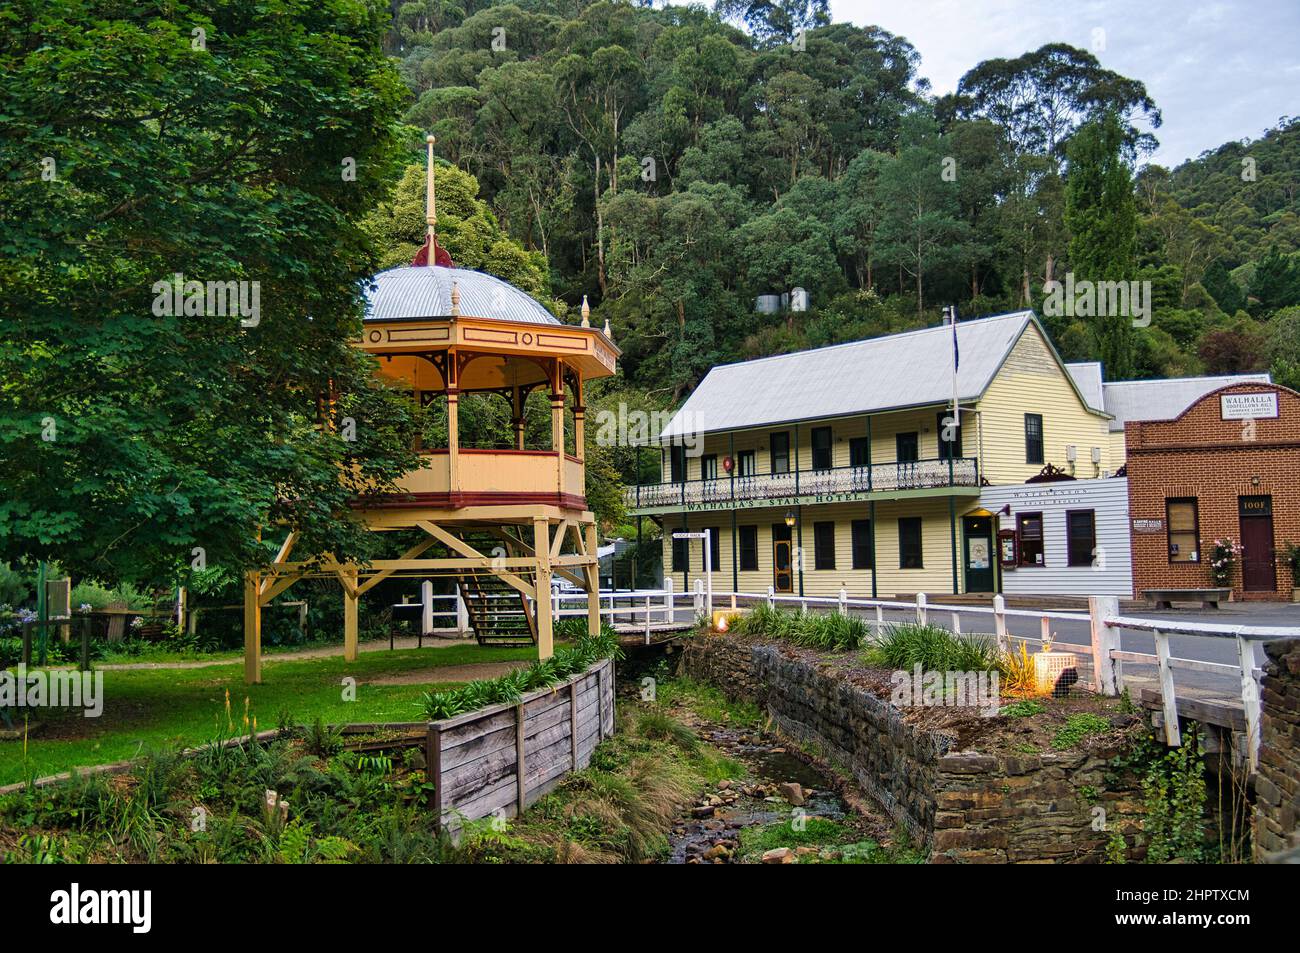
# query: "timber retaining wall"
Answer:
x=501 y=759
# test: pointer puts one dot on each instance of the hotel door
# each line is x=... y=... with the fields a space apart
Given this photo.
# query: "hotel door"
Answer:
x=978 y=534
x=782 y=573
x=1258 y=559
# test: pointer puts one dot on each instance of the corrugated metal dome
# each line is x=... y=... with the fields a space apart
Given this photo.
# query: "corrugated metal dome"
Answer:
x=411 y=292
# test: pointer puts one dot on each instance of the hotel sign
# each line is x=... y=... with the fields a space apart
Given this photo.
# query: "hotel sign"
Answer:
x=1257 y=406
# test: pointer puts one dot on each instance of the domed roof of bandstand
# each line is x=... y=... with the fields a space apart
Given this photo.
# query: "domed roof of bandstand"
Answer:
x=420 y=292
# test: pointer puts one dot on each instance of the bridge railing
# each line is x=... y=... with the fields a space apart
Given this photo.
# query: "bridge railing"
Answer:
x=1103 y=651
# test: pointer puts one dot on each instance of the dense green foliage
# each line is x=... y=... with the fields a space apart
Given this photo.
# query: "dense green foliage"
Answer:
x=224 y=143
x=671 y=164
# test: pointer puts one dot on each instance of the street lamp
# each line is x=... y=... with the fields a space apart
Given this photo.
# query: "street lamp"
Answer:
x=789 y=518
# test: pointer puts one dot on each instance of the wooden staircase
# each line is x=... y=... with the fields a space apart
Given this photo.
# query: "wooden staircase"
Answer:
x=498 y=613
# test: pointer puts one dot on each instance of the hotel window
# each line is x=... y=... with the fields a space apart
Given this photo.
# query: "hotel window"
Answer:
x=780 y=453
x=864 y=556
x=1033 y=438
x=1184 y=530
x=821 y=448
x=909 y=542
x=823 y=545
x=748 y=548
x=709 y=466
x=1029 y=526
x=948 y=447
x=1080 y=536
x=858 y=454
x=681 y=555
x=746 y=463
x=907 y=447
x=715 y=546
x=677 y=463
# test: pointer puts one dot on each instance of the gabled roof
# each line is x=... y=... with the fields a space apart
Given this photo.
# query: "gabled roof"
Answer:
x=912 y=369
x=1087 y=377
x=1157 y=399
x=413 y=292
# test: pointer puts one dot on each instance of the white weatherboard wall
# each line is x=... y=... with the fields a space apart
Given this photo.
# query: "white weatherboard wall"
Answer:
x=1108 y=499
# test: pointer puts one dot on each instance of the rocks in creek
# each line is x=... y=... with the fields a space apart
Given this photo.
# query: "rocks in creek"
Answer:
x=792 y=791
x=779 y=855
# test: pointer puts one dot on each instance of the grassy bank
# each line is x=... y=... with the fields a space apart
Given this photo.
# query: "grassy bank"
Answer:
x=146 y=708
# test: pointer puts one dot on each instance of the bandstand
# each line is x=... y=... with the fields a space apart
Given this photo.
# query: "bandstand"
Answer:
x=501 y=522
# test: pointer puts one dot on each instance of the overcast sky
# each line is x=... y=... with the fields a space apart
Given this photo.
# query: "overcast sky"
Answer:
x=1217 y=70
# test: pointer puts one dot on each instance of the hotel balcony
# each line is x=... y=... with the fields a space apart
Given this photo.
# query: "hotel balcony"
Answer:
x=879 y=481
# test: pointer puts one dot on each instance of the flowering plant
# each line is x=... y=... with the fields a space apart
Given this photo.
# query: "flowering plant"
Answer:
x=1222 y=558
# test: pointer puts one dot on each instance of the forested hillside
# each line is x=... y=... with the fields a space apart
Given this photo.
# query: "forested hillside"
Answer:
x=672 y=166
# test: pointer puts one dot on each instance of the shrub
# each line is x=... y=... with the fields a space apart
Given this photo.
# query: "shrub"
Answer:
x=509 y=687
x=1017 y=671
x=935 y=649
x=831 y=630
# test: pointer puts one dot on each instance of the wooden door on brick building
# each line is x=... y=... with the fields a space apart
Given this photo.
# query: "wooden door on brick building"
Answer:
x=1258 y=559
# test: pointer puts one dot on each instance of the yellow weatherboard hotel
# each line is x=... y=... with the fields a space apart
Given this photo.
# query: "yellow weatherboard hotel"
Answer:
x=826 y=469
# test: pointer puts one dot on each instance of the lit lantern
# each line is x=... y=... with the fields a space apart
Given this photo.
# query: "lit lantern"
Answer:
x=723 y=619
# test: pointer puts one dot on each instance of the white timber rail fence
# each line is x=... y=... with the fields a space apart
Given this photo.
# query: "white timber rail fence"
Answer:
x=649 y=610
x=499 y=760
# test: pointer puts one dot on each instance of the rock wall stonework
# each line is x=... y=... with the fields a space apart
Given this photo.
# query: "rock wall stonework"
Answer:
x=1277 y=784
x=967 y=806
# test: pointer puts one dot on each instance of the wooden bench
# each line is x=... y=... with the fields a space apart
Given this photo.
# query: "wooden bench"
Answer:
x=1208 y=598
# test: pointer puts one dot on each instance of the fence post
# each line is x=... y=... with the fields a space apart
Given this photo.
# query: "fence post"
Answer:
x=844 y=601
x=1249 y=700
x=920 y=608
x=771 y=594
x=698 y=602
x=668 y=600
x=1000 y=622
x=1105 y=639
x=426 y=607
x=462 y=615
x=733 y=602
x=880 y=620
x=956 y=622
x=647 y=619
x=1170 y=704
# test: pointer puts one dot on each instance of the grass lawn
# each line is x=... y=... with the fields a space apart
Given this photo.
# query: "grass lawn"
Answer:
x=146 y=708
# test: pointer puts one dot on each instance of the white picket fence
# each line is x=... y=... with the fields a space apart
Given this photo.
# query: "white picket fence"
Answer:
x=647 y=611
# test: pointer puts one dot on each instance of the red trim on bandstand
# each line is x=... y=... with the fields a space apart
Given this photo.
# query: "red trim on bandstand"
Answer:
x=568 y=501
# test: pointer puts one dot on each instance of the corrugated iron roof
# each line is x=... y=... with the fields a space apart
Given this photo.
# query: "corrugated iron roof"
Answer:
x=413 y=292
x=1087 y=377
x=1165 y=399
x=911 y=369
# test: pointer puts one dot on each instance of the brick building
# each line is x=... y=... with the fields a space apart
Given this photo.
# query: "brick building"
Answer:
x=1226 y=467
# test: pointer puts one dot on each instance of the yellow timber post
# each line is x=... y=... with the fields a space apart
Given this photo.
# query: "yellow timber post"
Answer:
x=542 y=585
x=252 y=629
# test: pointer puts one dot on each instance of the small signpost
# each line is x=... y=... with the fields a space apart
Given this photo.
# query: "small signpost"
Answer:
x=705 y=535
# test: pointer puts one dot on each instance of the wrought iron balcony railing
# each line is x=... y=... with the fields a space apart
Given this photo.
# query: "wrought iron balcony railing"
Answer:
x=879 y=477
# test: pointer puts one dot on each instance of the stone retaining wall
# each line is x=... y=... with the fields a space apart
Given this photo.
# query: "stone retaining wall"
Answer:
x=967 y=806
x=1277 y=785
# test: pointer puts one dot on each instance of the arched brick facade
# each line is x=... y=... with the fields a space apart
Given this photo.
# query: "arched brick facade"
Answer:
x=1217 y=462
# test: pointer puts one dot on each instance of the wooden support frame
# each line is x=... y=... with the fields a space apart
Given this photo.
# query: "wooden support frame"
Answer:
x=562 y=543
